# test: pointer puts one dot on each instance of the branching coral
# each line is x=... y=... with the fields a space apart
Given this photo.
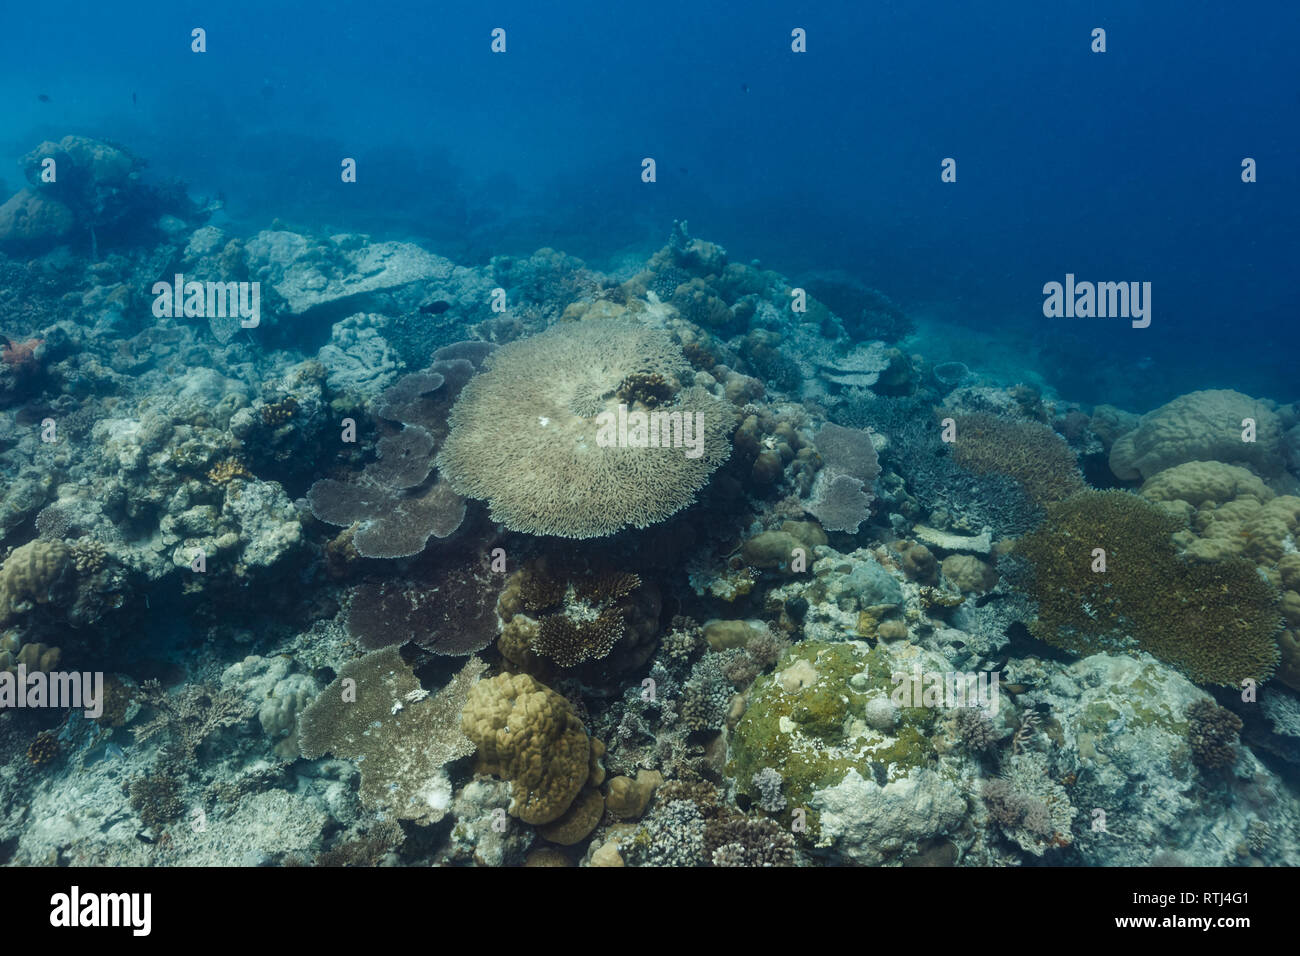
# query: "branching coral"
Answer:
x=524 y=435
x=1212 y=734
x=1215 y=621
x=567 y=615
x=1031 y=453
x=187 y=718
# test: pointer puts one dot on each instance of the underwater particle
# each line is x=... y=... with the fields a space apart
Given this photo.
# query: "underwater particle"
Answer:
x=523 y=437
x=1212 y=734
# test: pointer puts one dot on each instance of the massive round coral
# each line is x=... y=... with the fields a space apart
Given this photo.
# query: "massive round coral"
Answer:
x=524 y=433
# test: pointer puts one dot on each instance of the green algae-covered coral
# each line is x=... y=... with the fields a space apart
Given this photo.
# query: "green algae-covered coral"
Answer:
x=812 y=721
x=1214 y=621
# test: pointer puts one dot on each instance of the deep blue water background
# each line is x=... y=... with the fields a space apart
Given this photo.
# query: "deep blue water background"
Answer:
x=1118 y=166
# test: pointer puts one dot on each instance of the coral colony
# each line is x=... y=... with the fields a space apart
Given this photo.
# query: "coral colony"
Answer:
x=687 y=562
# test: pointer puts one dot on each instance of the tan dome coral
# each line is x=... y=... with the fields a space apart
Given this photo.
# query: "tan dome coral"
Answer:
x=1199 y=426
x=524 y=433
x=528 y=734
x=32 y=574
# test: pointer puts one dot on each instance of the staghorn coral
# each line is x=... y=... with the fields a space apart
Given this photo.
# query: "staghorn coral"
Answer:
x=524 y=435
x=377 y=714
x=187 y=718
x=157 y=799
x=1214 y=621
x=528 y=734
x=1031 y=453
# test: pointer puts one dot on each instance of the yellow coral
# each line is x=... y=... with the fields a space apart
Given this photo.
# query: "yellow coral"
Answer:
x=528 y=734
x=30 y=575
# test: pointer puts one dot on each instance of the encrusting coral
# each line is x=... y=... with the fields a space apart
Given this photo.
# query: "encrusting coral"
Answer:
x=377 y=714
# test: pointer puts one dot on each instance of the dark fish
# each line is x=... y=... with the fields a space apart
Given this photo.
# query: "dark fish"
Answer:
x=43 y=98
x=435 y=308
x=133 y=99
x=744 y=87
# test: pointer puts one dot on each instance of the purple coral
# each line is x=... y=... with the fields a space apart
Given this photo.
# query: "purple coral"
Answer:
x=456 y=616
x=843 y=492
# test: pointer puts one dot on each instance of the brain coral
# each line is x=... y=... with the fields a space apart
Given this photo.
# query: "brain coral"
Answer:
x=528 y=734
x=1199 y=426
x=523 y=433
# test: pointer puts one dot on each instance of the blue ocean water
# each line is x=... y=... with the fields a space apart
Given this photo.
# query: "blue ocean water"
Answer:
x=1119 y=166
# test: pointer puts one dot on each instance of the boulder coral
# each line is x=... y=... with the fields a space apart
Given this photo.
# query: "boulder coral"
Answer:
x=1200 y=426
x=528 y=734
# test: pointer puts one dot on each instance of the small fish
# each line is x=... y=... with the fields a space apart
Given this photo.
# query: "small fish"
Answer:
x=435 y=308
x=44 y=98
x=133 y=99
x=744 y=87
